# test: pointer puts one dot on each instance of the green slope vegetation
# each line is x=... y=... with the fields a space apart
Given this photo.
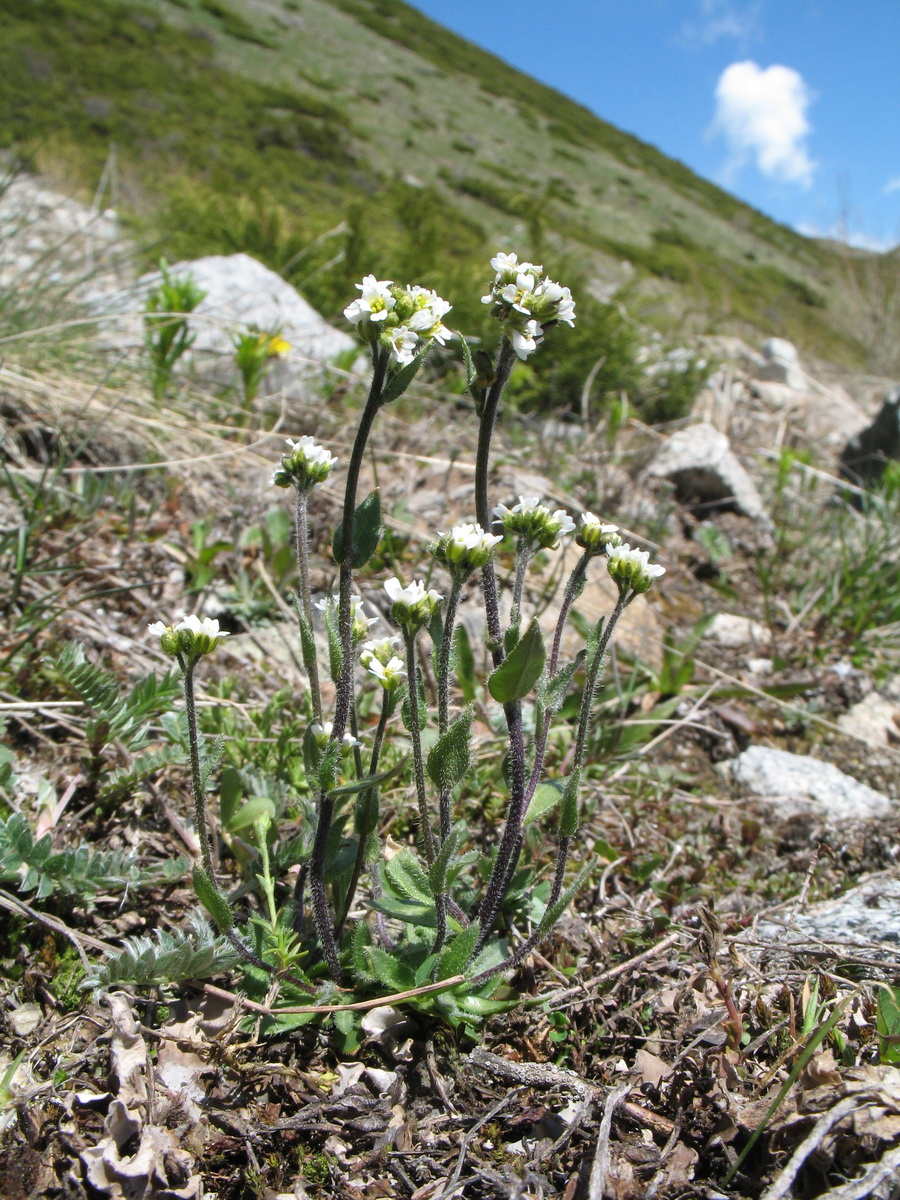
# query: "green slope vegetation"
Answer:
x=335 y=137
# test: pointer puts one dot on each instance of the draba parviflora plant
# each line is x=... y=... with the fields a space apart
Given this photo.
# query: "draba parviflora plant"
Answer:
x=436 y=911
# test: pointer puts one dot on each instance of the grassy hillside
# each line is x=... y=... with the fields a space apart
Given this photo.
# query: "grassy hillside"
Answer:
x=334 y=137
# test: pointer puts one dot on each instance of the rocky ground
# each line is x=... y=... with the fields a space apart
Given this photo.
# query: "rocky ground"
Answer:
x=718 y=1013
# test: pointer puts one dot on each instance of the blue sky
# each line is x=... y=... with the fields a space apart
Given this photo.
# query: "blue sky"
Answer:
x=793 y=105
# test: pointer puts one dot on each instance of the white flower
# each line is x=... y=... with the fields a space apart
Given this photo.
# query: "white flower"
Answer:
x=322 y=734
x=375 y=302
x=504 y=262
x=208 y=626
x=525 y=341
x=381 y=651
x=402 y=342
x=388 y=674
x=412 y=607
x=397 y=593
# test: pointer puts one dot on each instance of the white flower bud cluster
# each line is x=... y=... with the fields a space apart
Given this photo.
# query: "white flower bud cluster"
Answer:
x=359 y=621
x=631 y=569
x=379 y=659
x=306 y=464
x=465 y=548
x=524 y=301
x=535 y=522
x=322 y=735
x=400 y=319
x=594 y=535
x=412 y=607
x=191 y=636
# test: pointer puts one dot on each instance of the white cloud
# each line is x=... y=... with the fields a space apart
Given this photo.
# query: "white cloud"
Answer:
x=723 y=19
x=762 y=115
x=893 y=186
x=839 y=232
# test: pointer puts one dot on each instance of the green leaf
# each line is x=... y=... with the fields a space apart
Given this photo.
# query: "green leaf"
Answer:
x=212 y=900
x=465 y=664
x=408 y=911
x=568 y=816
x=248 y=814
x=400 y=380
x=370 y=781
x=387 y=970
x=366 y=532
x=520 y=672
x=230 y=791
x=307 y=640
x=437 y=872
x=887 y=1023
x=407 y=877
x=448 y=759
x=556 y=689
x=455 y=958
x=547 y=795
x=328 y=765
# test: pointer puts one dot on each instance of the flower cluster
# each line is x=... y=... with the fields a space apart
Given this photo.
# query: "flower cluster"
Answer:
x=525 y=301
x=322 y=736
x=464 y=549
x=359 y=621
x=399 y=319
x=191 y=636
x=379 y=660
x=631 y=569
x=304 y=466
x=594 y=535
x=411 y=607
x=533 y=521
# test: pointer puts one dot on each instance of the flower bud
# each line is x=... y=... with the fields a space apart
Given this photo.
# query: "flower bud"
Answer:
x=307 y=464
x=593 y=535
x=411 y=607
x=631 y=569
x=191 y=637
x=531 y=520
x=464 y=549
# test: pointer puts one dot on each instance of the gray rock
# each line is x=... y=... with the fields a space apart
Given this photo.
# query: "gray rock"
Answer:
x=865 y=455
x=875 y=719
x=797 y=784
x=729 y=629
x=866 y=916
x=782 y=364
x=240 y=292
x=700 y=463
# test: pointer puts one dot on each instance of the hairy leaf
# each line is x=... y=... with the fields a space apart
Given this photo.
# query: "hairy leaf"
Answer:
x=448 y=759
x=515 y=677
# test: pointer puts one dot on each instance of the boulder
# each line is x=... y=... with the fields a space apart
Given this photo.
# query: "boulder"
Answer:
x=796 y=784
x=700 y=463
x=867 y=916
x=865 y=455
x=782 y=364
x=240 y=292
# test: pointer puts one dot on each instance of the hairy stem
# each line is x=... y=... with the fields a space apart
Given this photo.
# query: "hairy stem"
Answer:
x=415 y=734
x=187 y=675
x=301 y=552
x=572 y=589
x=367 y=808
x=343 y=698
x=443 y=690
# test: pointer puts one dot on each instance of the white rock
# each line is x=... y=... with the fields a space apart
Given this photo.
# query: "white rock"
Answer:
x=699 y=461
x=240 y=292
x=729 y=629
x=796 y=784
x=24 y=1019
x=874 y=720
x=782 y=364
x=867 y=914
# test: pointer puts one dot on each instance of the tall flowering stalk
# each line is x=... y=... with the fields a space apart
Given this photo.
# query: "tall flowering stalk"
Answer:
x=399 y=325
